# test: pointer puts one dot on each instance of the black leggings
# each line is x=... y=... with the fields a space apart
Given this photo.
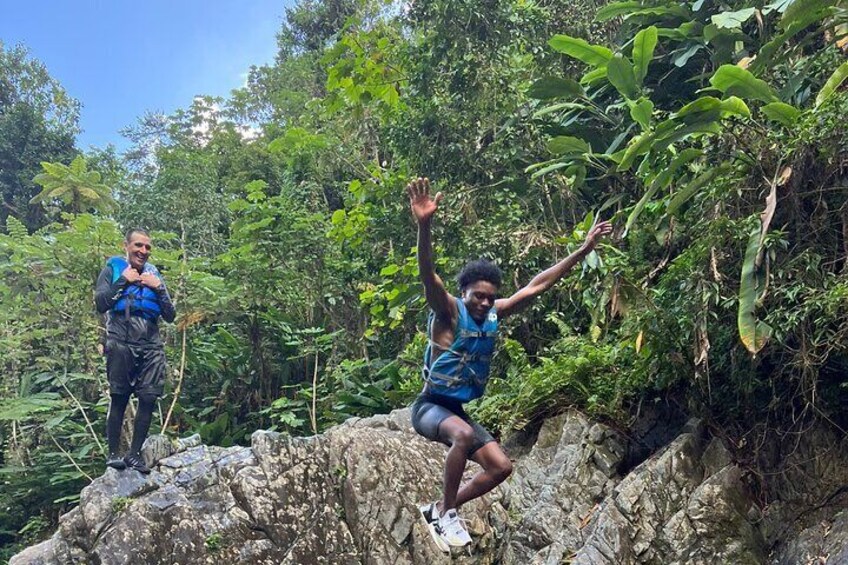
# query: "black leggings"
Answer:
x=146 y=404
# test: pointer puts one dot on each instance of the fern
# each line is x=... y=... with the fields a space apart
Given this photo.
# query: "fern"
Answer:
x=16 y=229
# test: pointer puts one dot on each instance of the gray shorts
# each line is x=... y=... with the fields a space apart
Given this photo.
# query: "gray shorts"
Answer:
x=428 y=411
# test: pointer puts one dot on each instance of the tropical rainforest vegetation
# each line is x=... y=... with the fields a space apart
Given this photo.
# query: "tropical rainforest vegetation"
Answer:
x=712 y=133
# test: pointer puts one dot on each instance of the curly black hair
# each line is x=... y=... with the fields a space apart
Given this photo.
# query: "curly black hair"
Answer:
x=479 y=270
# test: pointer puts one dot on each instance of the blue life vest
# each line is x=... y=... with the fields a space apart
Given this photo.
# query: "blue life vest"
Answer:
x=136 y=299
x=462 y=371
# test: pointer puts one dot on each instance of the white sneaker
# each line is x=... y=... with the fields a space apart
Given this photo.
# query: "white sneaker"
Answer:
x=453 y=532
x=431 y=517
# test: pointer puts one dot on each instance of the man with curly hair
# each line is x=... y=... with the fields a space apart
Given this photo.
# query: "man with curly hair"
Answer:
x=462 y=332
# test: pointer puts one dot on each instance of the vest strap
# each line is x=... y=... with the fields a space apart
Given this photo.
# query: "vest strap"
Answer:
x=472 y=333
x=463 y=357
x=450 y=381
x=472 y=357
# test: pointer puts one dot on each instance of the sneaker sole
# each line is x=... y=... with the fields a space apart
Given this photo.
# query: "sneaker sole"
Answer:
x=466 y=544
x=431 y=527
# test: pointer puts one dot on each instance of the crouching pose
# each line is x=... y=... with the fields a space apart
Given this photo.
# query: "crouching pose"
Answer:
x=462 y=332
x=132 y=293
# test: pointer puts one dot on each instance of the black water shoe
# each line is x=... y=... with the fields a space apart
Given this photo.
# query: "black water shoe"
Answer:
x=116 y=462
x=134 y=461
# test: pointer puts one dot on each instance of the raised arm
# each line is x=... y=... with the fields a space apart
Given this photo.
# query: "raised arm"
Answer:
x=423 y=209
x=547 y=278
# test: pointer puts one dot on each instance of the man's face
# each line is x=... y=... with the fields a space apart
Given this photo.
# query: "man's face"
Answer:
x=479 y=297
x=138 y=250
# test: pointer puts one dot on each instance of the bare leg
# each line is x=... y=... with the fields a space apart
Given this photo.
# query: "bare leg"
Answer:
x=461 y=436
x=496 y=468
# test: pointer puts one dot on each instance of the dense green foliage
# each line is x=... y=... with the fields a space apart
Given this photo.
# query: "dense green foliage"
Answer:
x=712 y=133
x=38 y=122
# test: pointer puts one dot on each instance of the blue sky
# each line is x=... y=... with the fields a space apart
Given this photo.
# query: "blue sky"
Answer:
x=121 y=58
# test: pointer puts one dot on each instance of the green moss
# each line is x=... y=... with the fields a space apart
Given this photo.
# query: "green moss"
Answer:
x=215 y=542
x=119 y=503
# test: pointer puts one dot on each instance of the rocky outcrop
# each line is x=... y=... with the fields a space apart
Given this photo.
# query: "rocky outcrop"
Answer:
x=351 y=495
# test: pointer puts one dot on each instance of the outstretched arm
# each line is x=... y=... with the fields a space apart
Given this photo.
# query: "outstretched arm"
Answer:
x=547 y=278
x=423 y=208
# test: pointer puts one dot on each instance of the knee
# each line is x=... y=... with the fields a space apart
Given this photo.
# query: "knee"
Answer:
x=464 y=438
x=120 y=400
x=147 y=399
x=501 y=470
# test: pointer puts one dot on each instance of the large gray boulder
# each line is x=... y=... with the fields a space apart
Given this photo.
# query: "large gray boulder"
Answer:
x=351 y=494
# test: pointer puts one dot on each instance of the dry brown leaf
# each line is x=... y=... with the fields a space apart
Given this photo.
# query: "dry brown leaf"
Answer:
x=841 y=32
x=189 y=319
x=702 y=345
x=784 y=176
x=639 y=340
x=714 y=265
x=615 y=308
x=768 y=213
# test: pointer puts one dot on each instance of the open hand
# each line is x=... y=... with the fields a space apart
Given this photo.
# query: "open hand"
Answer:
x=423 y=207
x=150 y=280
x=595 y=234
x=131 y=275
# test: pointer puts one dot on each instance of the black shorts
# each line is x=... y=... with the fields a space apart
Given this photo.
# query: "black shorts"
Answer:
x=131 y=368
x=428 y=411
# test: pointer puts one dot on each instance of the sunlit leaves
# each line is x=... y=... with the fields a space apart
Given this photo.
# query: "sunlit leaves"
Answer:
x=833 y=82
x=595 y=55
x=74 y=185
x=364 y=71
x=709 y=108
x=643 y=51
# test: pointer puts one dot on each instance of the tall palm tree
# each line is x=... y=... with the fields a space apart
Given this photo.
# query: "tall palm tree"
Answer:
x=75 y=186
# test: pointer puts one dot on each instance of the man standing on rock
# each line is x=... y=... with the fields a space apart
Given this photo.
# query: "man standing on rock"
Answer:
x=133 y=295
x=462 y=333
